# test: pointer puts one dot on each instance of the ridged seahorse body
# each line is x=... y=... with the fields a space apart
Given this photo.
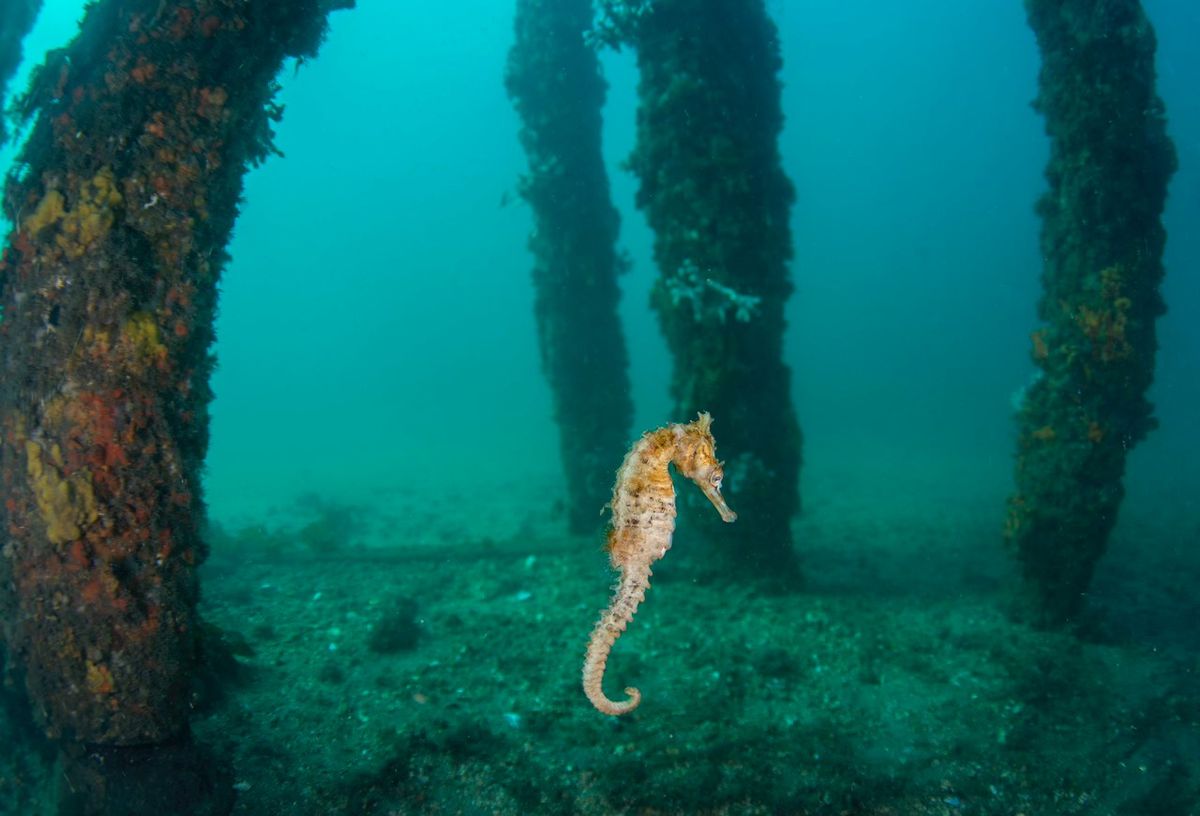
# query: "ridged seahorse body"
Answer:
x=643 y=520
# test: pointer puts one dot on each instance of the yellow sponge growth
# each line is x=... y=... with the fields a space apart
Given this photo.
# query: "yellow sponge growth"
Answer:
x=49 y=210
x=99 y=678
x=92 y=216
x=65 y=503
x=140 y=336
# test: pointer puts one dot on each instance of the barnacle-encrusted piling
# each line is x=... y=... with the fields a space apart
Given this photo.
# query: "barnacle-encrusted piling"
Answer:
x=714 y=191
x=142 y=130
x=1102 y=243
x=554 y=80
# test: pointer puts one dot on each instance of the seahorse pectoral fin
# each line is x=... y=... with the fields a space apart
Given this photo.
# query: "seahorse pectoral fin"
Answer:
x=714 y=495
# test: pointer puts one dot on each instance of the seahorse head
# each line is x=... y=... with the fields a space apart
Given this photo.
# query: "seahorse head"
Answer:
x=696 y=458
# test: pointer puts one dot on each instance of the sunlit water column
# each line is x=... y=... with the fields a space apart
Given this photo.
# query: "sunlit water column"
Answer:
x=1102 y=244
x=714 y=192
x=554 y=80
x=144 y=126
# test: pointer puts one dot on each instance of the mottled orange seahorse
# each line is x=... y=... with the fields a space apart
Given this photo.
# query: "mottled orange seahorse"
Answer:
x=643 y=519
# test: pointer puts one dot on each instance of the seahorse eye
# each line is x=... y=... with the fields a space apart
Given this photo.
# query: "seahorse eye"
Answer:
x=716 y=479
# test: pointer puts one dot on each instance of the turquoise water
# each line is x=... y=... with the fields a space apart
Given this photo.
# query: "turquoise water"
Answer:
x=376 y=349
x=916 y=156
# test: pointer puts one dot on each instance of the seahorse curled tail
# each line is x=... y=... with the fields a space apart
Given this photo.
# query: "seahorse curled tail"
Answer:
x=630 y=592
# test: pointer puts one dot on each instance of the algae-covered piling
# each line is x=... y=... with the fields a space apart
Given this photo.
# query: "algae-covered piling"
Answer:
x=554 y=80
x=16 y=19
x=1102 y=244
x=142 y=130
x=715 y=193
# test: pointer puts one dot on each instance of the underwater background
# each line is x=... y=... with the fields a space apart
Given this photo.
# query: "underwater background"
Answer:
x=379 y=392
x=378 y=302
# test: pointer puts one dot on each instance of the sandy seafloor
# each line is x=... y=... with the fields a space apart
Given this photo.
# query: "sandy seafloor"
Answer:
x=891 y=683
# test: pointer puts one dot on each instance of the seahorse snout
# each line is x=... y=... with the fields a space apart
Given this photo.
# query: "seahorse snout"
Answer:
x=713 y=492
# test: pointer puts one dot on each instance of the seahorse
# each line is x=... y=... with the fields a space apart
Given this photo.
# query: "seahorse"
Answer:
x=643 y=521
